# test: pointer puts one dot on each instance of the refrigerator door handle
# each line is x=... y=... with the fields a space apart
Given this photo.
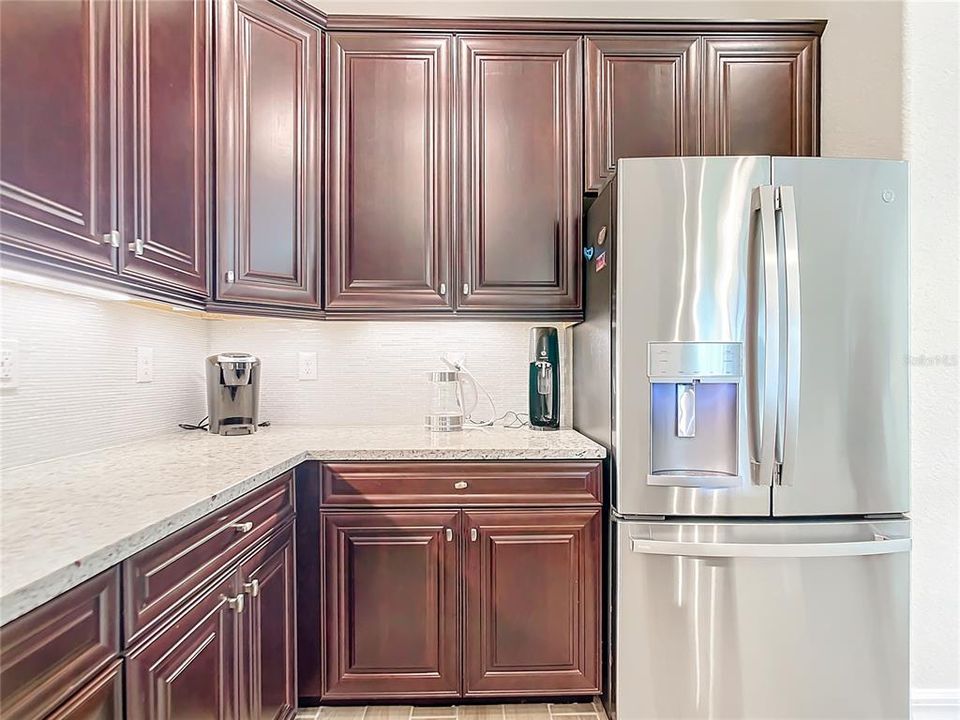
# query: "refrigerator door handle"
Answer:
x=879 y=546
x=765 y=390
x=789 y=400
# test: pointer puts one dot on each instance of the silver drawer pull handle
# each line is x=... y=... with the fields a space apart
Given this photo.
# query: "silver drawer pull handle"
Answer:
x=252 y=587
x=460 y=485
x=449 y=535
x=243 y=527
x=473 y=534
x=235 y=603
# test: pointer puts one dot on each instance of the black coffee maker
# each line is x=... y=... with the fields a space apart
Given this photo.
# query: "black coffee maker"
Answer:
x=544 y=379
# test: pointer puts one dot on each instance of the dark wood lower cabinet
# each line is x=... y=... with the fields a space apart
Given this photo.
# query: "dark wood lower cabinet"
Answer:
x=100 y=699
x=531 y=623
x=268 y=659
x=189 y=669
x=448 y=602
x=390 y=608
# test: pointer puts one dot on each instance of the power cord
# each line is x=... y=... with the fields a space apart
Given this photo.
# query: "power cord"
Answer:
x=203 y=424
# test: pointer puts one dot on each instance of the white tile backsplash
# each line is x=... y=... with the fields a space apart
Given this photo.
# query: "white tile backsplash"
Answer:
x=372 y=372
x=78 y=386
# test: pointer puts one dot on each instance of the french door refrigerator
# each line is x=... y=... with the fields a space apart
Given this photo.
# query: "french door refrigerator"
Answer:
x=744 y=359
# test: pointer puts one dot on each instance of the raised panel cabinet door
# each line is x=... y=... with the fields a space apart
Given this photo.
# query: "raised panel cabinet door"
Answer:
x=268 y=155
x=532 y=622
x=100 y=699
x=520 y=146
x=642 y=99
x=390 y=604
x=389 y=183
x=56 y=172
x=760 y=96
x=165 y=160
x=190 y=668
x=268 y=657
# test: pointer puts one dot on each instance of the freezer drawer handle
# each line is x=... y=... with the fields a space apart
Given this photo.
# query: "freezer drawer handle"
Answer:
x=880 y=546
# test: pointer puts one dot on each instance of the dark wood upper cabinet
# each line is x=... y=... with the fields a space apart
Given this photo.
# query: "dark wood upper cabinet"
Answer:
x=56 y=173
x=390 y=604
x=642 y=99
x=760 y=95
x=389 y=184
x=165 y=165
x=189 y=670
x=520 y=130
x=268 y=662
x=268 y=78
x=532 y=621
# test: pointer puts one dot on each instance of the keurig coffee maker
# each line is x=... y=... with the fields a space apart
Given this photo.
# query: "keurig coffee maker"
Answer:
x=544 y=386
x=233 y=393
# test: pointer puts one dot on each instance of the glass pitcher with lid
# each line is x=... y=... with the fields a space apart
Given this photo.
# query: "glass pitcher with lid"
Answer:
x=446 y=408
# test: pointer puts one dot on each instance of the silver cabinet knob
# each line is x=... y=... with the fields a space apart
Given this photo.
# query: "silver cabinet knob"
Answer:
x=252 y=587
x=443 y=288
x=112 y=238
x=235 y=603
x=243 y=527
x=231 y=277
x=449 y=535
x=474 y=534
x=136 y=246
x=466 y=289
x=460 y=485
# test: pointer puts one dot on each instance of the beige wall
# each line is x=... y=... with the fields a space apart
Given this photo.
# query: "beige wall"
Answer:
x=889 y=90
x=931 y=110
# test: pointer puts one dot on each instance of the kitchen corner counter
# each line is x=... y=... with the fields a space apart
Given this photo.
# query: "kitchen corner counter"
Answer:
x=63 y=521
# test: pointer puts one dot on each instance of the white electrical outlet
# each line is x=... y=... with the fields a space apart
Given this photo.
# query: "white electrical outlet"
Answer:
x=144 y=364
x=308 y=366
x=9 y=364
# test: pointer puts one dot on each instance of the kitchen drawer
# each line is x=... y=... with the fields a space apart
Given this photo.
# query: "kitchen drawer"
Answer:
x=51 y=652
x=551 y=483
x=166 y=574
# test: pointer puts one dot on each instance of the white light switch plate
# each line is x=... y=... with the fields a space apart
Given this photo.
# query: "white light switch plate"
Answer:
x=144 y=364
x=9 y=364
x=307 y=366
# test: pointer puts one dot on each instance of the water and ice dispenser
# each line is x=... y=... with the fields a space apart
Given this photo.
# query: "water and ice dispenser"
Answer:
x=695 y=400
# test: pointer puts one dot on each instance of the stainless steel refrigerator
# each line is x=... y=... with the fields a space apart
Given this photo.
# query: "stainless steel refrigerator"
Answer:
x=744 y=359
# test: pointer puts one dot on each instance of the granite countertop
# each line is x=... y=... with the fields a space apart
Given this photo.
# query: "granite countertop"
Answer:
x=63 y=521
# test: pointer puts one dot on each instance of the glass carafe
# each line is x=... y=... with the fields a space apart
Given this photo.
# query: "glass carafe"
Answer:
x=445 y=406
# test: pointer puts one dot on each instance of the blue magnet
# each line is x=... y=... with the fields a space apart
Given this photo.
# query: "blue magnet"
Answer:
x=588 y=253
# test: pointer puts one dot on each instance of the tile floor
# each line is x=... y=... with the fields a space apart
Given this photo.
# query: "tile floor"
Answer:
x=513 y=711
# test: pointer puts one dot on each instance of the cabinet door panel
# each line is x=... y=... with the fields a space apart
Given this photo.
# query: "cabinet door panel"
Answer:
x=165 y=165
x=532 y=596
x=520 y=136
x=391 y=604
x=56 y=173
x=269 y=663
x=760 y=96
x=100 y=699
x=388 y=214
x=268 y=155
x=189 y=670
x=642 y=100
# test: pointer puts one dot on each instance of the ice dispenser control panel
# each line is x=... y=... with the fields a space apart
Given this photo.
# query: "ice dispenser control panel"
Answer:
x=703 y=361
x=695 y=415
